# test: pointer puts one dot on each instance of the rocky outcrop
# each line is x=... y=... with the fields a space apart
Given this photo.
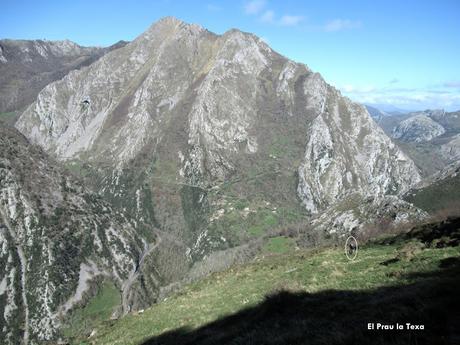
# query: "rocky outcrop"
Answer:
x=346 y=152
x=356 y=215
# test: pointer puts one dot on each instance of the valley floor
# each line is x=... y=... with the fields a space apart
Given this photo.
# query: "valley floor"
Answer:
x=314 y=297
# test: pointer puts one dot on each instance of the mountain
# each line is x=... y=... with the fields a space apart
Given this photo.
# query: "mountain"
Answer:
x=57 y=240
x=205 y=146
x=26 y=66
x=181 y=124
x=417 y=128
x=430 y=137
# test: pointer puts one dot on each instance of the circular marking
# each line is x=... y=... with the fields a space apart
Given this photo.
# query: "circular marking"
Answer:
x=351 y=248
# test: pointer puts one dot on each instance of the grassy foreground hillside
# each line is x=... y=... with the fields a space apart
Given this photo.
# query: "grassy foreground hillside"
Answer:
x=314 y=297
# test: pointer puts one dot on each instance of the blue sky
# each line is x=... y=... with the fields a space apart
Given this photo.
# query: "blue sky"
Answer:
x=405 y=53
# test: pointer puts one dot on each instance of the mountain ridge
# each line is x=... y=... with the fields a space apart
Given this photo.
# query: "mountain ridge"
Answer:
x=26 y=66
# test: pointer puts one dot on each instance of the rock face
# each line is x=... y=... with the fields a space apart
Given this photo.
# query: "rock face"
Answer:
x=55 y=238
x=346 y=153
x=28 y=66
x=367 y=213
x=418 y=128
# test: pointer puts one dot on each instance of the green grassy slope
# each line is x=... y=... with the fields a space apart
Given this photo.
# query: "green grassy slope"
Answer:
x=313 y=297
x=99 y=308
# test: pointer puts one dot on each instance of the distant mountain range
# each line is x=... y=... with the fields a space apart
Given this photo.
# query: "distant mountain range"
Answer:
x=388 y=108
x=430 y=137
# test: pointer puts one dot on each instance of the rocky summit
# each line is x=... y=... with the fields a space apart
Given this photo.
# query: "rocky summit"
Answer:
x=198 y=147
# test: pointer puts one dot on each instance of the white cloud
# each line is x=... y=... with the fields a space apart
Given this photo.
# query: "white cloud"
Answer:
x=268 y=16
x=257 y=7
x=341 y=24
x=409 y=98
x=254 y=6
x=288 y=20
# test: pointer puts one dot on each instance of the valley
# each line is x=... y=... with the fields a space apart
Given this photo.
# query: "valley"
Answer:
x=280 y=298
x=188 y=187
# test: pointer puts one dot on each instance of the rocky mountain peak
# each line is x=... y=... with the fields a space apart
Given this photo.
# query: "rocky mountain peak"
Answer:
x=418 y=128
x=217 y=85
x=170 y=27
x=169 y=21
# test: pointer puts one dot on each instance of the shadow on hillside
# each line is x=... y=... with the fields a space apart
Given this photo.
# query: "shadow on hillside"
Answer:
x=341 y=317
